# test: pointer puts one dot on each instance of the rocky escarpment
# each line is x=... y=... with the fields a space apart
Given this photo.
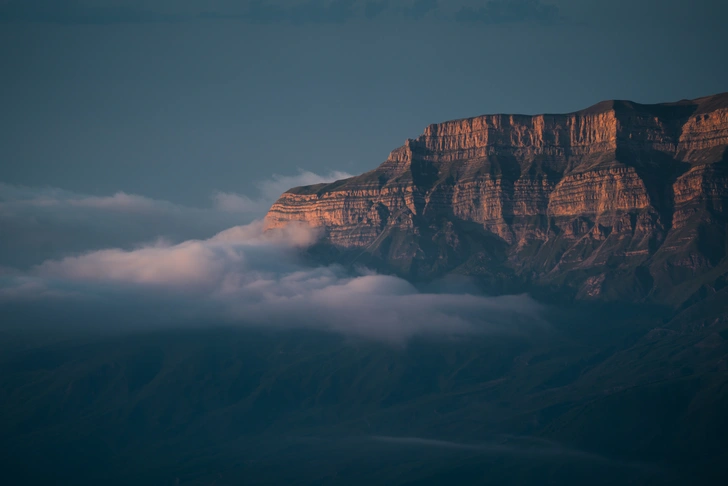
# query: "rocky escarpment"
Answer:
x=620 y=200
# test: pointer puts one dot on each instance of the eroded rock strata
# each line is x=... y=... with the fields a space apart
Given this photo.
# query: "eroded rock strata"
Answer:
x=620 y=200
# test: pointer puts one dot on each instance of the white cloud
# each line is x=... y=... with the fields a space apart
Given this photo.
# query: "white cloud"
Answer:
x=245 y=276
x=277 y=185
x=235 y=203
x=41 y=223
x=90 y=255
x=270 y=190
x=16 y=197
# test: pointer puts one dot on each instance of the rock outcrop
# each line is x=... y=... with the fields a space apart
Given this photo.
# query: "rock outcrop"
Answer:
x=621 y=200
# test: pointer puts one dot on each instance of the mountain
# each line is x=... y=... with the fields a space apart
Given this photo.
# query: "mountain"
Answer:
x=619 y=207
x=606 y=394
x=620 y=201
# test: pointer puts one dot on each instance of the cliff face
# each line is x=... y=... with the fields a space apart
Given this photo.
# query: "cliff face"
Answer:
x=620 y=200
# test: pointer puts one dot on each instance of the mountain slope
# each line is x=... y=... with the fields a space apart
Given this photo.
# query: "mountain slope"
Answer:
x=617 y=201
x=625 y=399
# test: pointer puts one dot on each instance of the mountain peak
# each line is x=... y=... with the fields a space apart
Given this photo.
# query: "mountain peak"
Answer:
x=618 y=201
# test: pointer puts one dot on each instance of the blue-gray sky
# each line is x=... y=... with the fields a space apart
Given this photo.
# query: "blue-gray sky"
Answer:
x=178 y=99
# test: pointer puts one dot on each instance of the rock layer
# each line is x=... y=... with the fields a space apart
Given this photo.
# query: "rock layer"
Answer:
x=621 y=200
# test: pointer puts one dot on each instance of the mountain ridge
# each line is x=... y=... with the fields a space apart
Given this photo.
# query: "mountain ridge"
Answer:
x=619 y=201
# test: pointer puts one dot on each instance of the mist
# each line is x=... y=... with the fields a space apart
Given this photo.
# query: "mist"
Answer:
x=118 y=267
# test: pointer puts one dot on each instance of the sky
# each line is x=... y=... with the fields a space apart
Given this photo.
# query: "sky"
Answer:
x=142 y=141
x=181 y=99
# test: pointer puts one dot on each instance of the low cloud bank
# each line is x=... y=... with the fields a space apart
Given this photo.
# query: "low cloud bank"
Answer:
x=42 y=223
x=128 y=261
x=249 y=277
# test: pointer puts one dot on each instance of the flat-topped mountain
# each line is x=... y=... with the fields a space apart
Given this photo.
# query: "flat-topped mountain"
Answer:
x=618 y=201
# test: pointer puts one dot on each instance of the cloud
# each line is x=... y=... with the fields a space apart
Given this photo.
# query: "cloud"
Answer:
x=420 y=8
x=270 y=190
x=260 y=11
x=249 y=277
x=302 y=12
x=78 y=12
x=193 y=263
x=13 y=198
x=508 y=12
x=374 y=8
x=235 y=203
x=128 y=260
x=306 y=11
x=41 y=223
x=104 y=12
x=315 y=11
x=273 y=188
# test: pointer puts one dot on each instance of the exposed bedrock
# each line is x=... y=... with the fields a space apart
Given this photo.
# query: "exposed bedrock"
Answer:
x=617 y=201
